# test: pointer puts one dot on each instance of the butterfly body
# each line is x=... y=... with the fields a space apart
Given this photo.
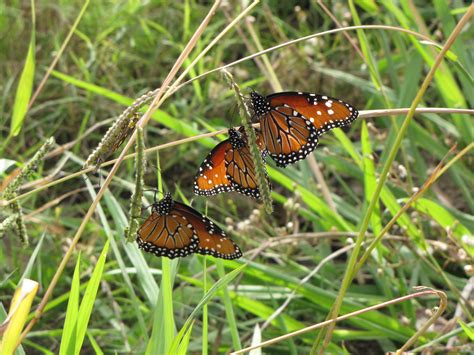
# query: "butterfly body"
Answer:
x=291 y=122
x=229 y=167
x=176 y=230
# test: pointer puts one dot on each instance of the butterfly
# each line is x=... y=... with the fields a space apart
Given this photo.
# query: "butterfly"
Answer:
x=229 y=167
x=175 y=230
x=292 y=122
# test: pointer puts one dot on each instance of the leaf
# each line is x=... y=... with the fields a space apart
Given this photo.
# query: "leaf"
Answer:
x=68 y=338
x=87 y=304
x=444 y=219
x=19 y=309
x=256 y=339
x=204 y=300
x=370 y=180
x=183 y=347
x=467 y=329
x=32 y=258
x=24 y=89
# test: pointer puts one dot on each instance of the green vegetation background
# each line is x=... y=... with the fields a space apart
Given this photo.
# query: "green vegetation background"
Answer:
x=123 y=49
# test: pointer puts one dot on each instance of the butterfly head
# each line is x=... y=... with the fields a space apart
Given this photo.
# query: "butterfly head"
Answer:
x=165 y=205
x=236 y=138
x=260 y=104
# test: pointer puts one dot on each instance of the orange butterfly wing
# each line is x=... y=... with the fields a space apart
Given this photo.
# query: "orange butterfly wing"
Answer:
x=292 y=122
x=171 y=235
x=212 y=176
x=241 y=168
x=212 y=240
x=324 y=112
x=229 y=167
x=288 y=135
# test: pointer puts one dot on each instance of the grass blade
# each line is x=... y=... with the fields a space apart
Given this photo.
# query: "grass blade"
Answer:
x=87 y=304
x=25 y=85
x=229 y=310
x=19 y=309
x=183 y=347
x=204 y=300
x=68 y=338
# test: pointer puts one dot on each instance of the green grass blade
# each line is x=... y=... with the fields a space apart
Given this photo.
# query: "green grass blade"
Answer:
x=68 y=337
x=229 y=309
x=204 y=300
x=467 y=329
x=87 y=304
x=370 y=180
x=25 y=85
x=164 y=328
x=183 y=347
x=145 y=278
x=205 y=313
x=446 y=220
x=167 y=321
x=95 y=346
x=160 y=116
x=32 y=259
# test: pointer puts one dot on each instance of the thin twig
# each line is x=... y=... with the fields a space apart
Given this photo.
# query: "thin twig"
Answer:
x=362 y=114
x=58 y=55
x=443 y=302
x=314 y=35
x=348 y=276
x=313 y=164
x=143 y=121
x=351 y=40
x=303 y=281
x=425 y=292
x=428 y=183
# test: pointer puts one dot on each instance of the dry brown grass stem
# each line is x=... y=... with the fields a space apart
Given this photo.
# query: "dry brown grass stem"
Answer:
x=351 y=40
x=143 y=121
x=348 y=276
x=423 y=291
x=314 y=35
x=362 y=114
x=313 y=164
x=438 y=172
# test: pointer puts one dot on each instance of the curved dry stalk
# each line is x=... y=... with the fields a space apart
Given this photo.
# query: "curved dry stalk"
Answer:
x=423 y=291
x=362 y=114
x=314 y=35
x=347 y=279
x=145 y=99
x=439 y=171
x=313 y=272
x=143 y=121
x=443 y=303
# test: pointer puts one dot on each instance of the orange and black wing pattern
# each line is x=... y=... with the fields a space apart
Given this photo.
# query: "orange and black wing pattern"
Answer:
x=229 y=167
x=240 y=166
x=212 y=176
x=212 y=240
x=167 y=232
x=324 y=112
x=291 y=122
x=176 y=230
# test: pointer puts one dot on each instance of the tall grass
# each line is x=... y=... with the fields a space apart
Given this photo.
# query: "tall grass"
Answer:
x=380 y=207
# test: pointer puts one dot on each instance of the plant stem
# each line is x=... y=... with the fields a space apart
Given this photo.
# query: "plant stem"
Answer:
x=362 y=114
x=383 y=176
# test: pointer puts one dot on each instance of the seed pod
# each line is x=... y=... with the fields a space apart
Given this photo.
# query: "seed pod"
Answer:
x=258 y=161
x=136 y=202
